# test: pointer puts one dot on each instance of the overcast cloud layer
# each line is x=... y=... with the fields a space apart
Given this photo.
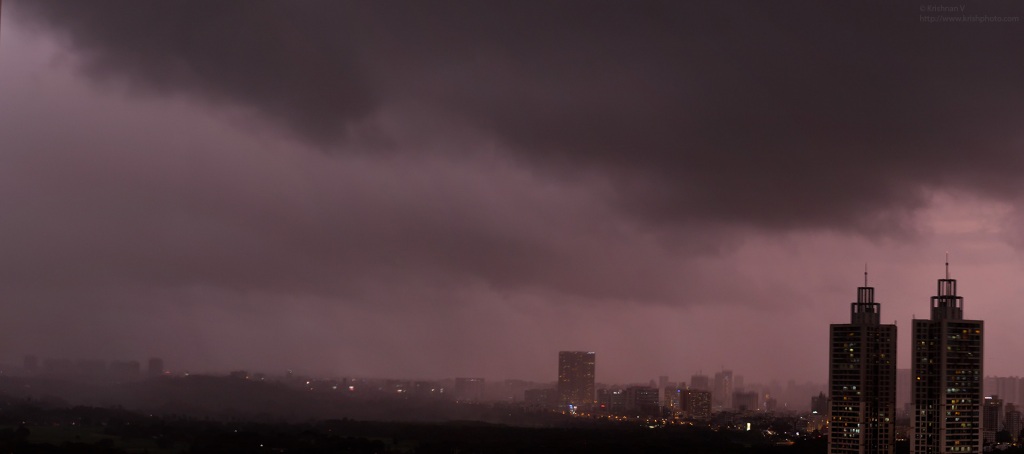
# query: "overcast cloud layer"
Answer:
x=406 y=189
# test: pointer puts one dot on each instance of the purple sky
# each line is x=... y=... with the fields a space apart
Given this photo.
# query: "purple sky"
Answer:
x=446 y=189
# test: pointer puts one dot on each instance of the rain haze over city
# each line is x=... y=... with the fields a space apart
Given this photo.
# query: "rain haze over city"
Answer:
x=441 y=189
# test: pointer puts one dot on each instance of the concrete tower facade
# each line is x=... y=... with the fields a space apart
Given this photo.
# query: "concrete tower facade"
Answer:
x=862 y=380
x=575 y=379
x=946 y=365
x=721 y=395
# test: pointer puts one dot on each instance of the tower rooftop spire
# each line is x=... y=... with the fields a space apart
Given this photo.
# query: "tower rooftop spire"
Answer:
x=946 y=303
x=947 y=264
x=865 y=310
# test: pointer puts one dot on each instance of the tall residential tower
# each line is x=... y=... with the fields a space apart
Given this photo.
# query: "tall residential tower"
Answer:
x=721 y=395
x=946 y=368
x=862 y=380
x=575 y=379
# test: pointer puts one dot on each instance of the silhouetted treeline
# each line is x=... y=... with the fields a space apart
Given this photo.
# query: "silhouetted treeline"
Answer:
x=224 y=398
x=35 y=427
x=220 y=414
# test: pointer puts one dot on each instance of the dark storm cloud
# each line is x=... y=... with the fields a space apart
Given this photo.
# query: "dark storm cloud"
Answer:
x=776 y=115
x=292 y=63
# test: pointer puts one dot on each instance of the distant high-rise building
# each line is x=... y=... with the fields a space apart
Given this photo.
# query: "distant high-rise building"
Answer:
x=700 y=382
x=744 y=400
x=721 y=395
x=1012 y=422
x=1007 y=388
x=662 y=384
x=696 y=403
x=672 y=396
x=903 y=379
x=819 y=404
x=612 y=400
x=946 y=363
x=991 y=418
x=575 y=379
x=542 y=397
x=513 y=389
x=469 y=389
x=642 y=400
x=989 y=386
x=862 y=380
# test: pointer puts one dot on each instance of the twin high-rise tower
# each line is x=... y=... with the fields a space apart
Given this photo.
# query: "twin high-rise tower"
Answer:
x=946 y=379
x=862 y=380
x=946 y=369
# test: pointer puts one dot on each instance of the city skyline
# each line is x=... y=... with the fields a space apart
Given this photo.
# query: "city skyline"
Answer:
x=462 y=189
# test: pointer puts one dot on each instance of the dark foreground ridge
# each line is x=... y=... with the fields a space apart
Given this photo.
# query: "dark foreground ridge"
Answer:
x=219 y=415
x=33 y=428
x=223 y=415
